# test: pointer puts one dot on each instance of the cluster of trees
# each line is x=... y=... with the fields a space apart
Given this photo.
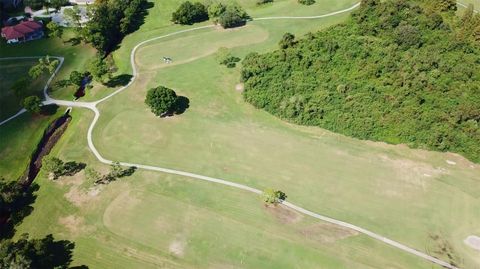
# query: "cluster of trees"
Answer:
x=57 y=167
x=225 y=57
x=110 y=21
x=36 y=253
x=116 y=171
x=271 y=196
x=399 y=71
x=227 y=14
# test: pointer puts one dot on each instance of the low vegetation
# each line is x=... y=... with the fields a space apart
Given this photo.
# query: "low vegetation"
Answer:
x=57 y=167
x=225 y=57
x=397 y=71
x=306 y=2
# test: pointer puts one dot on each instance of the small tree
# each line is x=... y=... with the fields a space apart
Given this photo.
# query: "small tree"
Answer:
x=99 y=69
x=54 y=29
x=160 y=100
x=288 y=40
x=72 y=16
x=92 y=174
x=215 y=10
x=116 y=170
x=57 y=4
x=44 y=64
x=188 y=13
x=54 y=166
x=271 y=196
x=76 y=78
x=225 y=57
x=32 y=104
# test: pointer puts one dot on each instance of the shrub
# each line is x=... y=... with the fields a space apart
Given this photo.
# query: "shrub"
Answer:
x=306 y=2
x=161 y=100
x=188 y=13
x=225 y=57
x=261 y=2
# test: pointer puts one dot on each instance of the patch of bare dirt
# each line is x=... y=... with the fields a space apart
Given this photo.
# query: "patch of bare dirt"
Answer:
x=473 y=241
x=326 y=232
x=78 y=197
x=177 y=247
x=75 y=225
x=283 y=214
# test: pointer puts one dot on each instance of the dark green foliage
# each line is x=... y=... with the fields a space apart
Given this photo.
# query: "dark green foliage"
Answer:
x=261 y=2
x=225 y=57
x=188 y=13
x=306 y=2
x=161 y=100
x=271 y=196
x=366 y=79
x=57 y=168
x=288 y=40
x=34 y=4
x=99 y=69
x=116 y=171
x=32 y=104
x=36 y=253
x=111 y=20
x=76 y=78
x=233 y=16
x=20 y=87
x=57 y=4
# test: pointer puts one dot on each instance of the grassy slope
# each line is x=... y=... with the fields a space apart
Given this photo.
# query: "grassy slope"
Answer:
x=188 y=224
x=220 y=136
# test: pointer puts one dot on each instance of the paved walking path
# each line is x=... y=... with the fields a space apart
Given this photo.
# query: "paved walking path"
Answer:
x=93 y=106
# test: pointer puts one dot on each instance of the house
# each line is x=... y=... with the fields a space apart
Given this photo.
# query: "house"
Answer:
x=23 y=32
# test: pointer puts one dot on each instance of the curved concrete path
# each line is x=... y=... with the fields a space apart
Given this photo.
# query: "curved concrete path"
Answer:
x=93 y=106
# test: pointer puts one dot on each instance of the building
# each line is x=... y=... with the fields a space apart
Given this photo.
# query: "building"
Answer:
x=23 y=32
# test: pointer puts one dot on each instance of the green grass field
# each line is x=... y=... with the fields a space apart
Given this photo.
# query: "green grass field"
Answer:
x=153 y=220
x=10 y=72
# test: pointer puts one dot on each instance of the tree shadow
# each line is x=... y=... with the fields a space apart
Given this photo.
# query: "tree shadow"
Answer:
x=49 y=110
x=74 y=41
x=128 y=172
x=14 y=213
x=120 y=80
x=72 y=167
x=181 y=105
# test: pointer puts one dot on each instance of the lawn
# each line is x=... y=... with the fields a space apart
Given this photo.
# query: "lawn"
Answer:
x=10 y=72
x=153 y=220
x=409 y=195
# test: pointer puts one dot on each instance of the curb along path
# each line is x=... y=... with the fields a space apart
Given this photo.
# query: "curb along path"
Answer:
x=93 y=106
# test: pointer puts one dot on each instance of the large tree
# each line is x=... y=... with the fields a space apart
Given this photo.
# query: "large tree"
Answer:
x=54 y=30
x=161 y=100
x=190 y=13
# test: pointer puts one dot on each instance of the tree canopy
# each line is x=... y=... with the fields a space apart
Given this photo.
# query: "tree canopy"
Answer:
x=161 y=100
x=396 y=71
x=32 y=104
x=190 y=13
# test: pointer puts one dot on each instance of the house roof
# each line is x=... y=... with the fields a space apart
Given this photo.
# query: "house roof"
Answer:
x=21 y=29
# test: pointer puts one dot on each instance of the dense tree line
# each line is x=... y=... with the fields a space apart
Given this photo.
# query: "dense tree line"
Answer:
x=227 y=14
x=398 y=71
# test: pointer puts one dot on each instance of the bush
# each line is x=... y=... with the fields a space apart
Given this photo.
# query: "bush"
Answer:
x=271 y=196
x=161 y=100
x=261 y=2
x=188 y=13
x=306 y=2
x=32 y=104
x=288 y=40
x=233 y=16
x=224 y=57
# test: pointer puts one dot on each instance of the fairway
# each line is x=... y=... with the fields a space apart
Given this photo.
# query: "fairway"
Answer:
x=425 y=200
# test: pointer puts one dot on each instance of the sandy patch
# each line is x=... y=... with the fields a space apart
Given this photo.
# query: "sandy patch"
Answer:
x=283 y=214
x=413 y=172
x=177 y=247
x=473 y=241
x=326 y=232
x=79 y=197
x=75 y=225
x=240 y=87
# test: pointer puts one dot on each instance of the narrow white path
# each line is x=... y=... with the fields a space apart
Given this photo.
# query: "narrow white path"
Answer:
x=93 y=106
